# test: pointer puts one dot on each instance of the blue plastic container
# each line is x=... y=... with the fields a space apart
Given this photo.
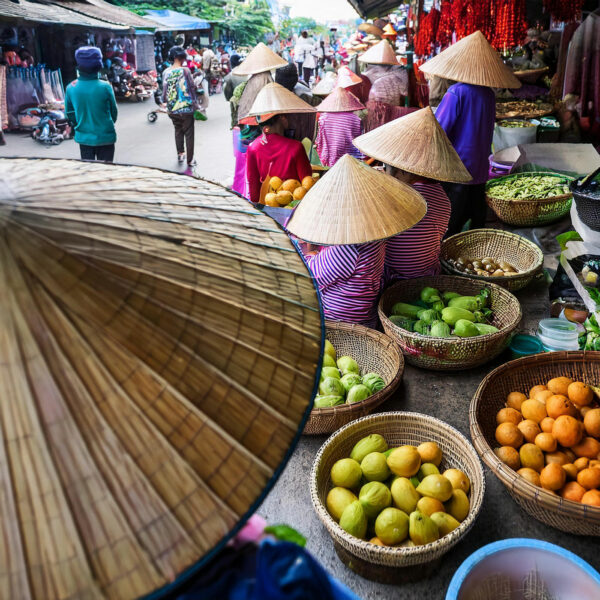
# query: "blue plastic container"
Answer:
x=565 y=575
x=525 y=345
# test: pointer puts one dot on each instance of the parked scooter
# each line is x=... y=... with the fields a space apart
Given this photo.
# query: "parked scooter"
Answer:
x=127 y=84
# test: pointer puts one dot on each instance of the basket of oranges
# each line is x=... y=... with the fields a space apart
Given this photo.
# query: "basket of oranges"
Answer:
x=288 y=193
x=535 y=422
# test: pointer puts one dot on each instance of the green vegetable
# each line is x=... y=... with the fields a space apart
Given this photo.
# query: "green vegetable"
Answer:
x=328 y=401
x=447 y=296
x=428 y=315
x=406 y=310
x=422 y=328
x=471 y=303
x=452 y=314
x=485 y=295
x=374 y=382
x=346 y=364
x=484 y=328
x=349 y=380
x=358 y=393
x=438 y=306
x=403 y=322
x=440 y=329
x=330 y=372
x=430 y=295
x=285 y=533
x=330 y=386
x=464 y=328
x=528 y=187
x=514 y=124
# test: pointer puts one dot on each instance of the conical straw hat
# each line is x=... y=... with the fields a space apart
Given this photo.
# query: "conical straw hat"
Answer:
x=380 y=54
x=326 y=85
x=389 y=30
x=353 y=204
x=370 y=29
x=274 y=99
x=415 y=143
x=158 y=349
x=340 y=100
x=472 y=60
x=260 y=59
x=347 y=77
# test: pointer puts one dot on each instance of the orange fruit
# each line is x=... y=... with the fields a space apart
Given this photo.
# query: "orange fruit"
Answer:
x=289 y=185
x=542 y=396
x=308 y=182
x=508 y=415
x=567 y=431
x=584 y=410
x=531 y=457
x=594 y=464
x=533 y=410
x=545 y=442
x=271 y=199
x=508 y=434
x=591 y=422
x=546 y=424
x=284 y=197
x=591 y=497
x=580 y=394
x=515 y=399
x=529 y=429
x=553 y=477
x=589 y=478
x=299 y=193
x=376 y=541
x=535 y=389
x=560 y=458
x=509 y=456
x=531 y=475
x=559 y=385
x=588 y=447
x=275 y=183
x=572 y=491
x=558 y=405
x=569 y=454
x=570 y=470
x=582 y=463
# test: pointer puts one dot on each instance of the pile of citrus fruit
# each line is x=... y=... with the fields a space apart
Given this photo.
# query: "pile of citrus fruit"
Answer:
x=288 y=193
x=551 y=437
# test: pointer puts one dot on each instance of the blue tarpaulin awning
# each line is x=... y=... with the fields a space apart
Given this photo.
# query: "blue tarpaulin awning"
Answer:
x=171 y=20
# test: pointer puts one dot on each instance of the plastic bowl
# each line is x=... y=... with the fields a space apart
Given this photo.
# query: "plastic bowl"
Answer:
x=565 y=575
x=525 y=345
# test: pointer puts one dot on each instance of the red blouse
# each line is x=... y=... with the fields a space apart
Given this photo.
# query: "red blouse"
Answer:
x=274 y=155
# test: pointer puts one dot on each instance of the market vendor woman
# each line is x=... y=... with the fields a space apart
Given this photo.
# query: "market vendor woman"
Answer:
x=352 y=210
x=273 y=153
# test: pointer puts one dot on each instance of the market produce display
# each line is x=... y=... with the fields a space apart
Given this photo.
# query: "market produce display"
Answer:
x=522 y=108
x=288 y=193
x=397 y=496
x=341 y=381
x=445 y=315
x=486 y=267
x=551 y=437
x=515 y=124
x=532 y=186
x=590 y=339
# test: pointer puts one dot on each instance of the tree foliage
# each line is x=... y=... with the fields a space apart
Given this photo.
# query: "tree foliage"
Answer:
x=298 y=24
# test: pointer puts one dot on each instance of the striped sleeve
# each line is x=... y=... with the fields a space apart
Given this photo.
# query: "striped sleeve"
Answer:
x=333 y=263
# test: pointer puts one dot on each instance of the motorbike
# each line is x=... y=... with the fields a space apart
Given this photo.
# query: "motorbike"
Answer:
x=48 y=125
x=126 y=83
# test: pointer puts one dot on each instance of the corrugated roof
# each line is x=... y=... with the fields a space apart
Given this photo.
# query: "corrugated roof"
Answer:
x=51 y=13
x=374 y=8
x=107 y=12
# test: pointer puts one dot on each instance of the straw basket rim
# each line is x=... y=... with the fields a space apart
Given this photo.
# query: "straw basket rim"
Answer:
x=509 y=478
x=530 y=72
x=438 y=547
x=557 y=198
x=512 y=283
x=346 y=411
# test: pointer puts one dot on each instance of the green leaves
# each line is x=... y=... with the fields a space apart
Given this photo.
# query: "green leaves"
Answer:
x=285 y=533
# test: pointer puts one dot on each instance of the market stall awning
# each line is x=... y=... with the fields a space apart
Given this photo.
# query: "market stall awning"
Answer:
x=99 y=9
x=171 y=20
x=51 y=13
x=374 y=8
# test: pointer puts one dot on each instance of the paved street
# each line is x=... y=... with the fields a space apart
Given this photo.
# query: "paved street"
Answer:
x=142 y=143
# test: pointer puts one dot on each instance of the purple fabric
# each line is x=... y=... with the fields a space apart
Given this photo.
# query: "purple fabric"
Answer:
x=467 y=114
x=240 y=183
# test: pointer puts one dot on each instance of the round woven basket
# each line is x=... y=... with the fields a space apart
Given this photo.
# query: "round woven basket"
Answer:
x=444 y=354
x=531 y=75
x=588 y=209
x=523 y=255
x=398 y=428
x=530 y=213
x=521 y=375
x=374 y=352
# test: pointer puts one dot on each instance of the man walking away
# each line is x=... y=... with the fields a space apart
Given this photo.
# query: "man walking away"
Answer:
x=91 y=107
x=179 y=94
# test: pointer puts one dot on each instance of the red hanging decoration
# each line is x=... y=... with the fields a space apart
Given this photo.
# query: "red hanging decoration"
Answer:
x=446 y=24
x=510 y=28
x=424 y=40
x=564 y=10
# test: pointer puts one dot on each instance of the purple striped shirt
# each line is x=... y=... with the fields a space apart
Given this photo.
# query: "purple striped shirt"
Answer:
x=416 y=252
x=349 y=280
x=335 y=135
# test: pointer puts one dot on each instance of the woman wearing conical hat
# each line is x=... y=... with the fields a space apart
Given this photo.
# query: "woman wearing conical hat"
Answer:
x=273 y=153
x=467 y=114
x=417 y=152
x=351 y=211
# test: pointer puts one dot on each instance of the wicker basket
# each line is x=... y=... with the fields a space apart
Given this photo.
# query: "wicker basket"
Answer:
x=588 y=209
x=397 y=428
x=531 y=75
x=530 y=213
x=522 y=254
x=374 y=352
x=445 y=354
x=521 y=375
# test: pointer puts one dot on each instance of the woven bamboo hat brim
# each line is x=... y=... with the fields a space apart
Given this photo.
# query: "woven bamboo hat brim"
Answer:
x=347 y=77
x=340 y=100
x=415 y=143
x=472 y=60
x=158 y=347
x=325 y=86
x=274 y=99
x=260 y=59
x=370 y=29
x=353 y=204
x=380 y=54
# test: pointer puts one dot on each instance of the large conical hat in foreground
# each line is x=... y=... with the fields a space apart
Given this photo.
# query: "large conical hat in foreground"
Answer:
x=415 y=143
x=340 y=100
x=472 y=60
x=353 y=204
x=159 y=340
x=380 y=54
x=260 y=59
x=274 y=99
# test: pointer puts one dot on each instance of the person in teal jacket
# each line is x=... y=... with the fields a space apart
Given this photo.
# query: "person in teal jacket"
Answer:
x=91 y=107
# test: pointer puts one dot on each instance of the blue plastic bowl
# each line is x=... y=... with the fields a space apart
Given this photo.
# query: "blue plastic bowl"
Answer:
x=525 y=345
x=566 y=576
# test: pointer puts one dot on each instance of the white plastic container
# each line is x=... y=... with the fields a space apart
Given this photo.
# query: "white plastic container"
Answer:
x=558 y=334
